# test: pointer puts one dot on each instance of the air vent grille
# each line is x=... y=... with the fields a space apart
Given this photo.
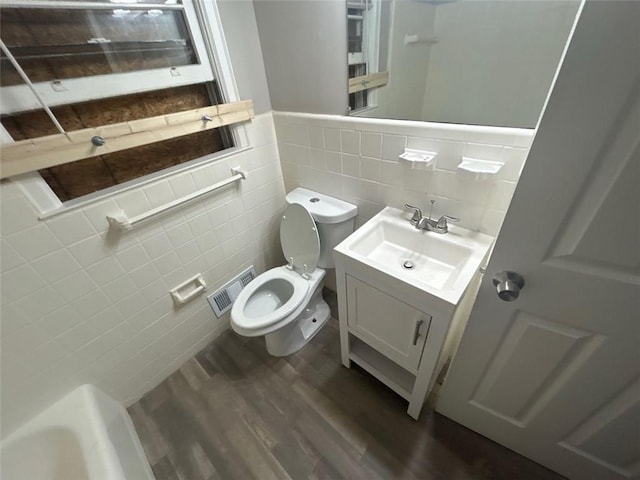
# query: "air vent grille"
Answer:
x=222 y=299
x=246 y=278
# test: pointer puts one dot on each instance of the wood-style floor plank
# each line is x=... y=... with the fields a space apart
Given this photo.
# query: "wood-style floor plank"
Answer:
x=235 y=412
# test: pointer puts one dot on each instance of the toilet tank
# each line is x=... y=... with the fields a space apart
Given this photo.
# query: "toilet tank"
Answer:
x=334 y=218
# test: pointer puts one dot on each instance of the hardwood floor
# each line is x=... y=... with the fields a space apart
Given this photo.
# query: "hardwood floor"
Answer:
x=235 y=412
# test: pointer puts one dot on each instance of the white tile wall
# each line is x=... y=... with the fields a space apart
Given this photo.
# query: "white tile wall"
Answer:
x=81 y=305
x=360 y=164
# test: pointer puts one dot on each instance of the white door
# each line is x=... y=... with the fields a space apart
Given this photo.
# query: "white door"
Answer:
x=555 y=374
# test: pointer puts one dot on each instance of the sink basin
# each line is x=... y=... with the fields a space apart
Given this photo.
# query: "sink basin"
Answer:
x=439 y=264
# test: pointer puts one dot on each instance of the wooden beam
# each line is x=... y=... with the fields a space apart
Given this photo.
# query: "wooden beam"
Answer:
x=365 y=82
x=44 y=152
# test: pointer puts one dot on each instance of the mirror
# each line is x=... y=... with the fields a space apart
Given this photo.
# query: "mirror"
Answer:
x=474 y=62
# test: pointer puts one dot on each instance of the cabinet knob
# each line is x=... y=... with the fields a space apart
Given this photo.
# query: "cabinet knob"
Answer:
x=416 y=331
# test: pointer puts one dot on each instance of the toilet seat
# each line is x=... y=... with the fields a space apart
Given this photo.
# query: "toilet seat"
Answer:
x=299 y=239
x=248 y=324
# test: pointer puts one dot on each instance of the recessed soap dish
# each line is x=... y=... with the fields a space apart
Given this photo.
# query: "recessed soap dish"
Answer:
x=418 y=159
x=479 y=169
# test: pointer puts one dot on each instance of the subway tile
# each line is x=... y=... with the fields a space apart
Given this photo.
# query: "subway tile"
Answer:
x=200 y=224
x=514 y=159
x=350 y=165
x=9 y=257
x=415 y=179
x=133 y=202
x=91 y=304
x=132 y=304
x=104 y=321
x=332 y=139
x=105 y=270
x=188 y=251
x=133 y=257
x=299 y=155
x=17 y=215
x=18 y=282
x=118 y=289
x=295 y=133
x=203 y=177
x=97 y=214
x=56 y=265
x=316 y=137
x=500 y=194
x=47 y=353
x=90 y=250
x=60 y=321
x=391 y=173
x=157 y=245
x=144 y=275
x=22 y=341
x=317 y=159
x=182 y=184
x=71 y=228
x=154 y=291
x=392 y=146
x=333 y=161
x=34 y=242
x=74 y=286
x=159 y=193
x=371 y=144
x=370 y=169
x=11 y=319
x=492 y=221
x=39 y=303
x=484 y=152
x=350 y=142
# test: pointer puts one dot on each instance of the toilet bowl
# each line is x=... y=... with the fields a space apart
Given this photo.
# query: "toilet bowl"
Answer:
x=285 y=304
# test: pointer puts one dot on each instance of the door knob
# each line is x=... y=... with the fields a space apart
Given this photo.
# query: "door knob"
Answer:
x=508 y=285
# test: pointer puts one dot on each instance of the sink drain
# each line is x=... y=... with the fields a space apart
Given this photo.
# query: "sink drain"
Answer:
x=408 y=265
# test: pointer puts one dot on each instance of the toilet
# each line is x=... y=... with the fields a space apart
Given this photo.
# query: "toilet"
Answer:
x=285 y=303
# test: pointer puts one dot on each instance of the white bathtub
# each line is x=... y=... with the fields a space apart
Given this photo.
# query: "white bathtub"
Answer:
x=84 y=436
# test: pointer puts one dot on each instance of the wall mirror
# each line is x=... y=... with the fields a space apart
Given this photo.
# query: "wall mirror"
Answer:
x=475 y=62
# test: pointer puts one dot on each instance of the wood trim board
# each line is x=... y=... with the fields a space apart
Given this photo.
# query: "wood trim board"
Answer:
x=44 y=152
x=365 y=82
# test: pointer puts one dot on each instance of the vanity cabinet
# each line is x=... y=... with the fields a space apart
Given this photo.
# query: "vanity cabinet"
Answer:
x=390 y=332
x=389 y=325
x=404 y=296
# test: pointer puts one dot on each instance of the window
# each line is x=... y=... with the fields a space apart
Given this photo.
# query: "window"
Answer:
x=100 y=62
x=363 y=28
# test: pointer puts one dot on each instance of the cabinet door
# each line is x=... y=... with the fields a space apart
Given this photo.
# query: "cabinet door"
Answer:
x=389 y=325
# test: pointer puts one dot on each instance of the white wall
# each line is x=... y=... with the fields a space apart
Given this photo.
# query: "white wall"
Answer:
x=304 y=45
x=494 y=60
x=356 y=159
x=80 y=305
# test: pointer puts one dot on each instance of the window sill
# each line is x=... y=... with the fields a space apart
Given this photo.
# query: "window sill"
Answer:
x=99 y=196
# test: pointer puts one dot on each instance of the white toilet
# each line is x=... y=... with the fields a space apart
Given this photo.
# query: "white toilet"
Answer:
x=285 y=303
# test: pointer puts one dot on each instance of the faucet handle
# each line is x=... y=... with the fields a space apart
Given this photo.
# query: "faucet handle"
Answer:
x=417 y=213
x=442 y=221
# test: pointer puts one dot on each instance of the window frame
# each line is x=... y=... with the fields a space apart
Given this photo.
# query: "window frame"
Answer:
x=204 y=20
x=18 y=98
x=369 y=56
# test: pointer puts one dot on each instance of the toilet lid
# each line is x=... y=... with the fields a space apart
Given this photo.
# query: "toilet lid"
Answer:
x=299 y=238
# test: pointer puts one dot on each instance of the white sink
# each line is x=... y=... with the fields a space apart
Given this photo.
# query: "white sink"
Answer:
x=439 y=264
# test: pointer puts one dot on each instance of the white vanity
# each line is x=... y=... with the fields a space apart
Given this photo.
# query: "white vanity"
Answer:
x=400 y=292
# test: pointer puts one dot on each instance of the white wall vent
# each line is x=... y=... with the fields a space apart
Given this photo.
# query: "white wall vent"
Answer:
x=222 y=299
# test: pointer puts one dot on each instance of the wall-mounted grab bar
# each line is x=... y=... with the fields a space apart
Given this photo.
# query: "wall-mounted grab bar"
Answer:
x=121 y=222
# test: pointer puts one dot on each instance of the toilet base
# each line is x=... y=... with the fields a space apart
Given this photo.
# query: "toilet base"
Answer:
x=291 y=338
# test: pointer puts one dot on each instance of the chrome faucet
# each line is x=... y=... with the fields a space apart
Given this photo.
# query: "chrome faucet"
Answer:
x=427 y=223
